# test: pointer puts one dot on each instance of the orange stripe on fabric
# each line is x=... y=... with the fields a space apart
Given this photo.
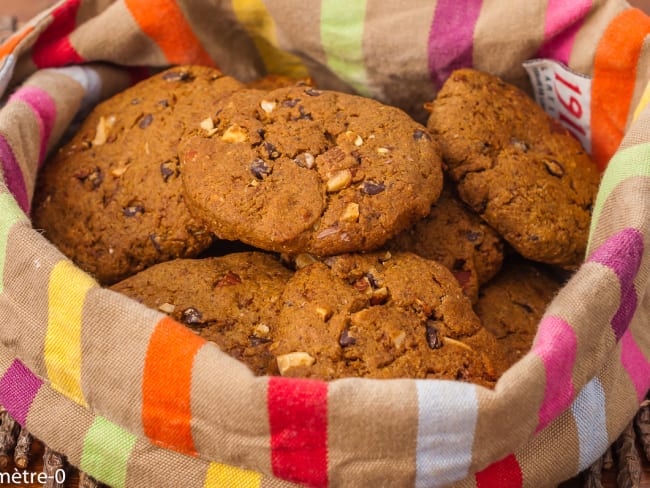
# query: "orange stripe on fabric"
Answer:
x=612 y=89
x=10 y=44
x=166 y=410
x=164 y=22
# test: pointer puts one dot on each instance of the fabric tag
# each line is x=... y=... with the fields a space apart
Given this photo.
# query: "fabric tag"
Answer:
x=563 y=94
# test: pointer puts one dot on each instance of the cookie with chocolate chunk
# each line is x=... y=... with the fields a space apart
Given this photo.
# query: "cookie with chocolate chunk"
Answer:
x=111 y=199
x=230 y=300
x=522 y=171
x=380 y=315
x=455 y=236
x=304 y=170
x=511 y=305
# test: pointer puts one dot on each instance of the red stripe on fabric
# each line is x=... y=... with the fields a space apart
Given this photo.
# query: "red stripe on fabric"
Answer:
x=166 y=386
x=298 y=418
x=53 y=47
x=451 y=37
x=612 y=88
x=44 y=109
x=13 y=175
x=563 y=21
x=502 y=474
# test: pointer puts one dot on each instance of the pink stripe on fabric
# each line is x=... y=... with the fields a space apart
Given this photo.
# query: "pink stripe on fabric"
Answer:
x=18 y=387
x=622 y=254
x=563 y=21
x=451 y=37
x=13 y=176
x=636 y=365
x=556 y=345
x=44 y=109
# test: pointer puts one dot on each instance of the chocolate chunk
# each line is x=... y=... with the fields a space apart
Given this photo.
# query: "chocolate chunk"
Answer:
x=192 y=316
x=346 y=339
x=145 y=121
x=177 y=76
x=258 y=341
x=155 y=240
x=473 y=236
x=312 y=92
x=167 y=169
x=291 y=103
x=432 y=334
x=420 y=134
x=133 y=210
x=372 y=188
x=259 y=169
x=554 y=168
x=271 y=150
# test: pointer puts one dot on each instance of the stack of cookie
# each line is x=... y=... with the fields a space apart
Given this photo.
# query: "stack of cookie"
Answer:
x=307 y=233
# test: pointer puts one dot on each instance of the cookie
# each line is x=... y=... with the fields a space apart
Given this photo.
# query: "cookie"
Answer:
x=512 y=304
x=110 y=199
x=524 y=173
x=272 y=82
x=455 y=236
x=380 y=315
x=230 y=300
x=304 y=170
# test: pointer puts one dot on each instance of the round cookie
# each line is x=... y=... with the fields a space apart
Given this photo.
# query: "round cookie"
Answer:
x=516 y=166
x=379 y=315
x=512 y=304
x=456 y=237
x=111 y=199
x=304 y=170
x=230 y=300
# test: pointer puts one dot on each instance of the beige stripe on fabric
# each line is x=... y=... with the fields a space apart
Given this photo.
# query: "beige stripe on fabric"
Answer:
x=590 y=318
x=500 y=47
x=587 y=39
x=299 y=23
x=24 y=303
x=407 y=51
x=19 y=126
x=91 y=8
x=239 y=404
x=224 y=38
x=506 y=416
x=366 y=454
x=269 y=482
x=123 y=42
x=552 y=456
x=149 y=465
x=114 y=339
x=67 y=95
x=60 y=423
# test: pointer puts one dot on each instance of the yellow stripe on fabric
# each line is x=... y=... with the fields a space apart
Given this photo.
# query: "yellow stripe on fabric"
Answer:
x=259 y=24
x=67 y=291
x=643 y=103
x=222 y=475
x=626 y=163
x=10 y=214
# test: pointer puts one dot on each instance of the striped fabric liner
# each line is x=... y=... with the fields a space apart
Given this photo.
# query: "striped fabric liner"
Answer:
x=151 y=404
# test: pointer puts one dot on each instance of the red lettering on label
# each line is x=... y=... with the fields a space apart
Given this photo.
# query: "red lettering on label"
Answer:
x=573 y=87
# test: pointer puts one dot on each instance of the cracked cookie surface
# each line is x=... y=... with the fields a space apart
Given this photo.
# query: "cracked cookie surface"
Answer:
x=380 y=315
x=230 y=300
x=304 y=170
x=516 y=166
x=110 y=199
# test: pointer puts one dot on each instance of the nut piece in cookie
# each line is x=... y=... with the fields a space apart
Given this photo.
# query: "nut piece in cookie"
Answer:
x=455 y=236
x=303 y=170
x=516 y=166
x=111 y=198
x=380 y=315
x=230 y=300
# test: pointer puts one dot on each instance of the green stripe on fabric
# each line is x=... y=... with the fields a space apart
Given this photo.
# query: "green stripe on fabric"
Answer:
x=341 y=34
x=626 y=163
x=10 y=214
x=106 y=451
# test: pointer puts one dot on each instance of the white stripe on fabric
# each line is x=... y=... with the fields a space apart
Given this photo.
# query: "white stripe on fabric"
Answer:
x=6 y=72
x=447 y=420
x=589 y=414
x=89 y=80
